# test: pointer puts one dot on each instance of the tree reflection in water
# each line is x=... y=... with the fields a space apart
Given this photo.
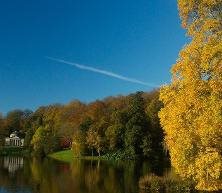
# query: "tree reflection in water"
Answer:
x=81 y=176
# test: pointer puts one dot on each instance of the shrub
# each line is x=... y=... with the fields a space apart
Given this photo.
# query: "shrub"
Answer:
x=155 y=184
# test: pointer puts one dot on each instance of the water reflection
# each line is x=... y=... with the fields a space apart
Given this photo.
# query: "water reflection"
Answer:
x=48 y=176
x=12 y=164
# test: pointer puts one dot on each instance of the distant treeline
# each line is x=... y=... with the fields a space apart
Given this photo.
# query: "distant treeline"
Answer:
x=123 y=126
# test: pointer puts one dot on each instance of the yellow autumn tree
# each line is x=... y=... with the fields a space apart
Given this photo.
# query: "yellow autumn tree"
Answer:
x=192 y=113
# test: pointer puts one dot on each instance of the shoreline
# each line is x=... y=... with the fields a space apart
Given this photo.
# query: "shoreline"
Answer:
x=13 y=151
x=68 y=156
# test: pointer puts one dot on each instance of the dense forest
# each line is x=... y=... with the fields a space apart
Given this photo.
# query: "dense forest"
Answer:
x=123 y=127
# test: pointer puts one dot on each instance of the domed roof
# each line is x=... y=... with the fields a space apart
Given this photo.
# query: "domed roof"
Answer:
x=14 y=135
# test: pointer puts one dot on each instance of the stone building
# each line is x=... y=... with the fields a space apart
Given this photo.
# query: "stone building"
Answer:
x=14 y=140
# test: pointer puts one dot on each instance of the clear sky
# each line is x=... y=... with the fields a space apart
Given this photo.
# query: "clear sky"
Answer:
x=137 y=40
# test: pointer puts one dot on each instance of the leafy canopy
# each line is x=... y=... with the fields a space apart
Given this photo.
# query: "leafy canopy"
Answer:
x=192 y=113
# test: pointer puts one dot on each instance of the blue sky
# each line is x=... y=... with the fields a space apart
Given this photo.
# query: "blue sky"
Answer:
x=135 y=39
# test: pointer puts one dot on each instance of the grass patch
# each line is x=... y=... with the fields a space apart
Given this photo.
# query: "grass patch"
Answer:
x=65 y=155
x=68 y=156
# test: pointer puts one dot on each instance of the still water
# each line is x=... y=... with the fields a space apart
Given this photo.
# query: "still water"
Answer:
x=20 y=175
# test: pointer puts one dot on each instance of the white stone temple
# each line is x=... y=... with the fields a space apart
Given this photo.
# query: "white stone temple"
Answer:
x=14 y=140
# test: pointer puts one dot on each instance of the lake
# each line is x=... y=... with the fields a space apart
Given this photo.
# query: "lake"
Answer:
x=31 y=175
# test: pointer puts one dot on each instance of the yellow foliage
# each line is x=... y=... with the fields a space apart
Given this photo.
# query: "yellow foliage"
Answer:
x=192 y=113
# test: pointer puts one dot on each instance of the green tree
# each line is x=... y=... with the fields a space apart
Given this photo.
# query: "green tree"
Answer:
x=114 y=136
x=44 y=128
x=13 y=121
x=79 y=144
x=2 y=130
x=32 y=124
x=96 y=136
x=137 y=126
x=44 y=141
x=116 y=130
x=38 y=141
x=157 y=136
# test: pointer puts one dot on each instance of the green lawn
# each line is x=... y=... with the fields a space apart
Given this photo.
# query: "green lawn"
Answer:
x=65 y=155
x=68 y=156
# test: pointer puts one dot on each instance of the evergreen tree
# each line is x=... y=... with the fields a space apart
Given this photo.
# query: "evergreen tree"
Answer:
x=136 y=127
x=115 y=132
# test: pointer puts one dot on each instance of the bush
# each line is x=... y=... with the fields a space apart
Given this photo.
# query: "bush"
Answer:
x=152 y=183
x=119 y=155
x=155 y=184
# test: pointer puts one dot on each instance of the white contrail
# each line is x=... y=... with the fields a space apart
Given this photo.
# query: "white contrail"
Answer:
x=107 y=73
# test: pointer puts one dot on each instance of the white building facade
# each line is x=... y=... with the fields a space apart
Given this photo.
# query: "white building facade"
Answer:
x=14 y=140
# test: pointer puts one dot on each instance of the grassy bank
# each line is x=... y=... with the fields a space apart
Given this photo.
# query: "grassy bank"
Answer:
x=65 y=155
x=68 y=156
x=13 y=151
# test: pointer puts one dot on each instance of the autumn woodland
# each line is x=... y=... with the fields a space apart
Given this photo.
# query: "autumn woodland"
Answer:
x=178 y=125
